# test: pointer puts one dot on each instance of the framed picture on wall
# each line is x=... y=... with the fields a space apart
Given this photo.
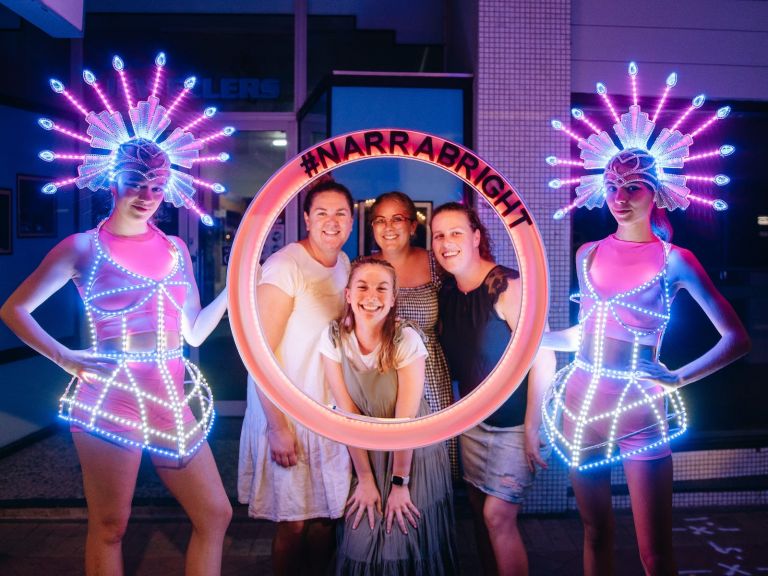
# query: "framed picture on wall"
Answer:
x=422 y=237
x=6 y=239
x=35 y=211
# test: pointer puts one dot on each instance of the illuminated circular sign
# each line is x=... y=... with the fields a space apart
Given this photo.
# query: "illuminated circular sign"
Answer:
x=379 y=433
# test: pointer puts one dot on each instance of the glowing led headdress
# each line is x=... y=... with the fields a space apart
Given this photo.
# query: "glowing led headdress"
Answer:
x=658 y=163
x=142 y=150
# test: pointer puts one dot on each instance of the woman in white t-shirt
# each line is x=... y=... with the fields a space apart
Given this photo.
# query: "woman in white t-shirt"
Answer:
x=287 y=473
x=374 y=365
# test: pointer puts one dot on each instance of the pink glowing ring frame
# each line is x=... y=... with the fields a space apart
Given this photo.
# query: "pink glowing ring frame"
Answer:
x=375 y=433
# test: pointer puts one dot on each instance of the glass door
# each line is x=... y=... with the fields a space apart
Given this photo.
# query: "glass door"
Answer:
x=262 y=144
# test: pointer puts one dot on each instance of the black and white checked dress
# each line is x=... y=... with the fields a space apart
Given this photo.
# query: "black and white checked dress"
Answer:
x=419 y=305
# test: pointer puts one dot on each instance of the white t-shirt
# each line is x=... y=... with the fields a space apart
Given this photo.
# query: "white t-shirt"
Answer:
x=318 y=298
x=410 y=348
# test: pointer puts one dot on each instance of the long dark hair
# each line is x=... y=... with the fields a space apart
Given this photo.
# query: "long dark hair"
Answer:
x=486 y=251
x=387 y=350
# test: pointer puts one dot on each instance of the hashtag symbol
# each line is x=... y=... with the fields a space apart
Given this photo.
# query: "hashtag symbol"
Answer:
x=309 y=164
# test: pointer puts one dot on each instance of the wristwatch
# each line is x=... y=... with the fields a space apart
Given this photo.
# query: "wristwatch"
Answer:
x=400 y=480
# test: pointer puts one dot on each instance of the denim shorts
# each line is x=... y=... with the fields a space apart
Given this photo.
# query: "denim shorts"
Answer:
x=494 y=461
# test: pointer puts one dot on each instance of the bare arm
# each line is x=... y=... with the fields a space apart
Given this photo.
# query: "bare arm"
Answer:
x=63 y=263
x=366 y=497
x=197 y=323
x=410 y=388
x=566 y=340
x=275 y=307
x=539 y=376
x=686 y=272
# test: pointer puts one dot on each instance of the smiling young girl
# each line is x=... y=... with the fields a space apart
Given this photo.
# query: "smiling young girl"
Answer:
x=374 y=365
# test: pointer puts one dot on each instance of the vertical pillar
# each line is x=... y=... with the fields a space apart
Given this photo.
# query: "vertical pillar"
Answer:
x=523 y=80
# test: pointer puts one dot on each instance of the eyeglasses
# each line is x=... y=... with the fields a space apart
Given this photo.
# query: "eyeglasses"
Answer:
x=396 y=220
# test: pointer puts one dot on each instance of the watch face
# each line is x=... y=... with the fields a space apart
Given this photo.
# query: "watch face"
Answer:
x=400 y=480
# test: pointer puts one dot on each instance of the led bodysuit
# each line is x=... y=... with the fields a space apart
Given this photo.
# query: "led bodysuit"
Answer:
x=148 y=398
x=601 y=410
x=132 y=299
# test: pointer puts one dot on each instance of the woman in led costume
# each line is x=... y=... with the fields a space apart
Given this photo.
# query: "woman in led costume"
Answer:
x=133 y=389
x=616 y=401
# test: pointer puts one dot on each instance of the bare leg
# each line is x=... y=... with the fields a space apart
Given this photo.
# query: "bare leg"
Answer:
x=197 y=486
x=288 y=548
x=109 y=479
x=593 y=497
x=508 y=548
x=484 y=548
x=650 y=491
x=321 y=543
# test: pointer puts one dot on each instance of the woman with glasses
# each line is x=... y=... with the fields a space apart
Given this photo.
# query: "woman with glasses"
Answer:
x=394 y=223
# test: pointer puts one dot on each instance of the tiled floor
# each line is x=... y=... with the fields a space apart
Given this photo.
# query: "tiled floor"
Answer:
x=42 y=526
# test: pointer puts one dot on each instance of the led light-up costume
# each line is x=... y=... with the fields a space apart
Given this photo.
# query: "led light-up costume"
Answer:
x=149 y=398
x=601 y=410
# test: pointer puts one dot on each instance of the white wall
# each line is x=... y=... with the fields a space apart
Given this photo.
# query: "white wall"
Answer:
x=719 y=47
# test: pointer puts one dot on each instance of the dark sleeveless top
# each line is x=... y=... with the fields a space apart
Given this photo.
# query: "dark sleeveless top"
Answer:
x=474 y=338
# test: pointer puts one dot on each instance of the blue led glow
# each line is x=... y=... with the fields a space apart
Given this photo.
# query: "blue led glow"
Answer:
x=190 y=82
x=727 y=150
x=671 y=79
x=49 y=188
x=555 y=184
x=577 y=113
x=223 y=156
x=57 y=86
x=698 y=101
x=551 y=160
x=601 y=89
x=720 y=205
x=47 y=155
x=206 y=219
x=721 y=180
x=45 y=123
x=228 y=130
x=723 y=112
x=632 y=69
x=89 y=77
x=209 y=112
x=557 y=125
x=160 y=59
x=559 y=214
x=117 y=63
